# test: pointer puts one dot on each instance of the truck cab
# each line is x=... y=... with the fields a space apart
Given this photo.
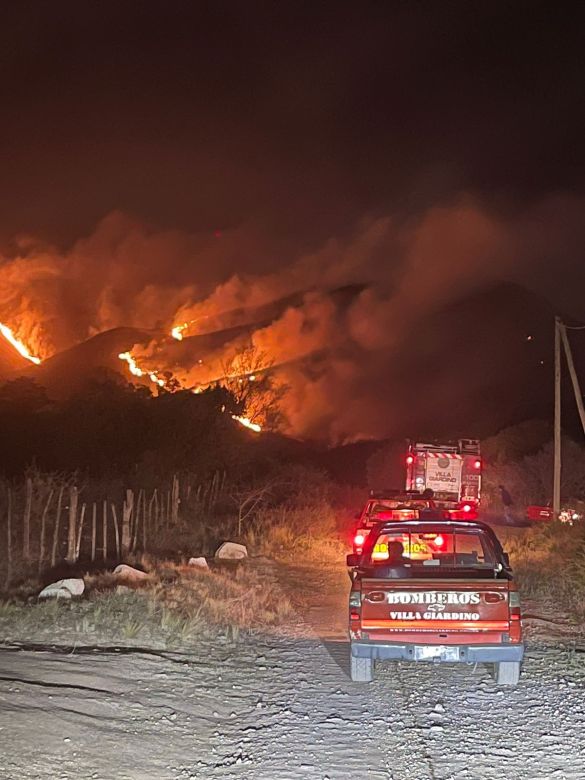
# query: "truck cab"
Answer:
x=386 y=505
x=448 y=597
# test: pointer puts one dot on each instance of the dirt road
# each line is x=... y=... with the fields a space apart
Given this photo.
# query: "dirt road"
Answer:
x=283 y=708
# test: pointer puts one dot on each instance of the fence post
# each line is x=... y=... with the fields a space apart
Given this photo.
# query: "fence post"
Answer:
x=144 y=523
x=175 y=501
x=126 y=515
x=72 y=535
x=26 y=521
x=136 y=524
x=116 y=529
x=43 y=531
x=93 y=529
x=9 y=539
x=105 y=530
x=79 y=532
x=56 y=528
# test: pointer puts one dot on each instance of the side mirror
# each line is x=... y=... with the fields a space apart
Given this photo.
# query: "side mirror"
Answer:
x=353 y=560
x=506 y=558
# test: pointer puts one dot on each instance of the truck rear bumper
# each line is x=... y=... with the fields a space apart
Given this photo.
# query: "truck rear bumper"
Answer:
x=467 y=654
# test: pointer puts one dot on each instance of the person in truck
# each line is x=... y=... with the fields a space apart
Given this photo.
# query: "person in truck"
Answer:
x=396 y=566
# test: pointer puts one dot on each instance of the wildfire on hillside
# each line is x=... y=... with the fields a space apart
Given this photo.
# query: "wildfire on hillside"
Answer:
x=137 y=371
x=155 y=377
x=17 y=344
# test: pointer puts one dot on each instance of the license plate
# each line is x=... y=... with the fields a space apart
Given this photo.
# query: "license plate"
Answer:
x=438 y=652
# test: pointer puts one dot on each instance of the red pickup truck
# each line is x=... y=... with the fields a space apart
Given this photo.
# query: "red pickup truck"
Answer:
x=438 y=591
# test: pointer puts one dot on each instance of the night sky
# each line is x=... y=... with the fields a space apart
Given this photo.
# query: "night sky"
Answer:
x=286 y=133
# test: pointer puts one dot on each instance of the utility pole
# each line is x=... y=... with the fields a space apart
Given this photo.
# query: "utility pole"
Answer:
x=557 y=439
x=573 y=373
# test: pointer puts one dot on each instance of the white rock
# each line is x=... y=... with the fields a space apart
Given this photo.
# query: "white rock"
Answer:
x=63 y=589
x=200 y=563
x=129 y=573
x=231 y=550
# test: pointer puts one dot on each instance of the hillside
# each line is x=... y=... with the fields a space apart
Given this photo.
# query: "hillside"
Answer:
x=67 y=372
x=10 y=360
x=481 y=363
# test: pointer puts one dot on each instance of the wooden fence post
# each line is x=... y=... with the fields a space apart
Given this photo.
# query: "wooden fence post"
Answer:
x=93 y=529
x=9 y=539
x=175 y=501
x=126 y=515
x=105 y=530
x=26 y=521
x=56 y=527
x=72 y=530
x=144 y=523
x=43 y=531
x=79 y=532
x=116 y=529
x=136 y=524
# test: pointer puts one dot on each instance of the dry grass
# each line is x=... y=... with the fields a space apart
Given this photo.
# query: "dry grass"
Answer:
x=302 y=533
x=549 y=564
x=176 y=607
x=237 y=596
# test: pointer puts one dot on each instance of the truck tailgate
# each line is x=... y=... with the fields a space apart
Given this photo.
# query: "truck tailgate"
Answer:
x=434 y=606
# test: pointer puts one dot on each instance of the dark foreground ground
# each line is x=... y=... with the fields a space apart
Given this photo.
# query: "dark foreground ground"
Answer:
x=282 y=707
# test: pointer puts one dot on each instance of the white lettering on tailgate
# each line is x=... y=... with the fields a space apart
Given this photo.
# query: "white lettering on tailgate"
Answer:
x=433 y=597
x=434 y=616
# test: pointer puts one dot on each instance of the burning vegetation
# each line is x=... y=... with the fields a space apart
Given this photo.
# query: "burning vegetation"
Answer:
x=336 y=324
x=18 y=345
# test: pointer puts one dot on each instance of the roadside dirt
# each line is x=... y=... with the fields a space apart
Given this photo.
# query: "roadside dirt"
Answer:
x=282 y=706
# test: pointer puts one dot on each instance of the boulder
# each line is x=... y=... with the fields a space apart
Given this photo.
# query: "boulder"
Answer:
x=199 y=563
x=232 y=551
x=129 y=574
x=63 y=589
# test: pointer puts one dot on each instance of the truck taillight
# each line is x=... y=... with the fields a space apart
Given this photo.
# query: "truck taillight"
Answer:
x=439 y=541
x=409 y=460
x=467 y=508
x=477 y=464
x=515 y=619
x=359 y=539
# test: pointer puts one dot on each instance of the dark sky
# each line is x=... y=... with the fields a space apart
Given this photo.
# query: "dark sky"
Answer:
x=299 y=116
x=185 y=159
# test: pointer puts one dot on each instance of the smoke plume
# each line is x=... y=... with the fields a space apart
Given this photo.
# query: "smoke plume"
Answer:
x=336 y=322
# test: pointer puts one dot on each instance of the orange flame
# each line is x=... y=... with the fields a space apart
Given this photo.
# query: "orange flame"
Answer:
x=18 y=345
x=177 y=331
x=247 y=423
x=137 y=371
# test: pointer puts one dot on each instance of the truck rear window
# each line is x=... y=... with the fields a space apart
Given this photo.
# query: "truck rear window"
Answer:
x=460 y=549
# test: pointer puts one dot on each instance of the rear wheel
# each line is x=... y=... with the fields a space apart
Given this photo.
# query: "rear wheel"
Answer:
x=508 y=672
x=362 y=669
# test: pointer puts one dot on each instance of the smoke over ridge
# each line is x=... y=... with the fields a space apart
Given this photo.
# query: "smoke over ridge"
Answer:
x=335 y=351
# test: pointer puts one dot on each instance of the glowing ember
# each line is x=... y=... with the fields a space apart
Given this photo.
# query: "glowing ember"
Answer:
x=18 y=345
x=137 y=371
x=247 y=423
x=177 y=331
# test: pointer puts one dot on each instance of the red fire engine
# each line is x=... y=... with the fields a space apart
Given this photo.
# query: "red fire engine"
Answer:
x=452 y=470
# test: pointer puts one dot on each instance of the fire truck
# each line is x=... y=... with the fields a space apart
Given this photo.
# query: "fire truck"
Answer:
x=451 y=470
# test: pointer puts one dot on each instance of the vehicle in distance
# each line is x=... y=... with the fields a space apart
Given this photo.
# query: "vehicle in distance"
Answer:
x=452 y=470
x=434 y=591
x=395 y=505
